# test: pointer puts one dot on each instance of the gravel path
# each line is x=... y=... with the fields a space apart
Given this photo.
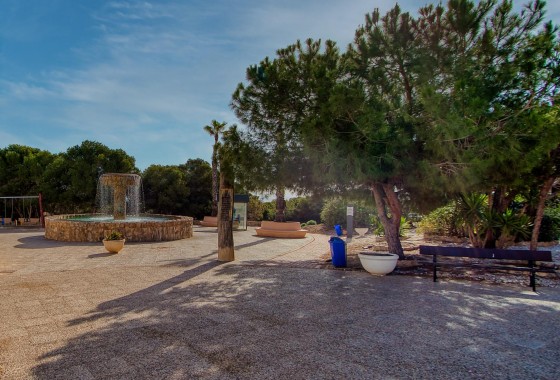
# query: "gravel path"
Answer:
x=171 y=311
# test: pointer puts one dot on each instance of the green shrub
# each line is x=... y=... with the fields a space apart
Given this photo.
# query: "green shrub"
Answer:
x=303 y=208
x=255 y=209
x=376 y=226
x=378 y=230
x=510 y=226
x=269 y=210
x=363 y=213
x=444 y=221
x=334 y=212
x=405 y=225
x=550 y=225
x=311 y=223
x=114 y=235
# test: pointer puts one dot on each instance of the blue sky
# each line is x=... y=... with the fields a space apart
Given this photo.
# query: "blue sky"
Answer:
x=146 y=76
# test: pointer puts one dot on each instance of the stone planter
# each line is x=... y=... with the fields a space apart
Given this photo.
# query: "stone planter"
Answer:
x=114 y=246
x=378 y=263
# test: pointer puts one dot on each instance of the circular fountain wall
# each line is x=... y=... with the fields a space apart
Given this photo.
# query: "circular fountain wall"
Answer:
x=94 y=227
x=119 y=200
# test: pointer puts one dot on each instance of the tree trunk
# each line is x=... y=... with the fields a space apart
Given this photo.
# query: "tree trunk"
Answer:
x=280 y=205
x=540 y=212
x=214 y=183
x=389 y=212
x=498 y=203
x=495 y=203
x=489 y=239
x=225 y=220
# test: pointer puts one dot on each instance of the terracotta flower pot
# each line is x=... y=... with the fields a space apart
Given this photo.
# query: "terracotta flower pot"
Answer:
x=114 y=246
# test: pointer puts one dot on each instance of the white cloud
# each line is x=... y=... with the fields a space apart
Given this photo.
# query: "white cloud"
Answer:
x=156 y=72
x=26 y=91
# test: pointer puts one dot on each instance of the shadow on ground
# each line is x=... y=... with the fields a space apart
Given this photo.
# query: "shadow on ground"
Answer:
x=39 y=242
x=215 y=321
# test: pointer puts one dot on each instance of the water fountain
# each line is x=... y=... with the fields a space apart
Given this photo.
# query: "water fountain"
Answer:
x=119 y=203
x=116 y=191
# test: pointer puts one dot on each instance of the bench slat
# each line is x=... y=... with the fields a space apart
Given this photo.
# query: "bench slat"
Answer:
x=497 y=267
x=493 y=254
x=484 y=253
x=280 y=226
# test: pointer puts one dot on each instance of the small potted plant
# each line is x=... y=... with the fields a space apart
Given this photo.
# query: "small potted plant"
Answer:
x=114 y=241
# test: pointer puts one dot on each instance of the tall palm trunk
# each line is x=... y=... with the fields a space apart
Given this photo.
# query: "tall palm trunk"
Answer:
x=215 y=189
x=215 y=129
x=389 y=212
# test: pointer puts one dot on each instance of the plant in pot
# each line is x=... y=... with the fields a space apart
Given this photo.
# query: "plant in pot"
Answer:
x=114 y=241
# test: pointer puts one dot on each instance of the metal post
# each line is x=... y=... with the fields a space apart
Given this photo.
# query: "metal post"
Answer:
x=532 y=281
x=434 y=263
x=349 y=221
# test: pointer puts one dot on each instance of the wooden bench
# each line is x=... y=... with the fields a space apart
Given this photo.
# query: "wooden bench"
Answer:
x=209 y=221
x=503 y=259
x=291 y=230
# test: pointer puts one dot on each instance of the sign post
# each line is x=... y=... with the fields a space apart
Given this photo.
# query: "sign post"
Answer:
x=349 y=221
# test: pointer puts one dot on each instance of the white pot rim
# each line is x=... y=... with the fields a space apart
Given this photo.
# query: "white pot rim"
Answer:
x=379 y=255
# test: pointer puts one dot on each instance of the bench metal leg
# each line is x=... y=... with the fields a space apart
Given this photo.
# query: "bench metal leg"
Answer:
x=434 y=266
x=532 y=282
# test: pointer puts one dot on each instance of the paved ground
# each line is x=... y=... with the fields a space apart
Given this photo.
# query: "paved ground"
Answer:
x=171 y=311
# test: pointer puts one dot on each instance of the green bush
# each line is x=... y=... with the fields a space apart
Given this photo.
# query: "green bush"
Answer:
x=376 y=226
x=255 y=209
x=297 y=209
x=334 y=212
x=114 y=235
x=311 y=223
x=550 y=225
x=444 y=221
x=378 y=230
x=269 y=210
x=303 y=208
x=511 y=226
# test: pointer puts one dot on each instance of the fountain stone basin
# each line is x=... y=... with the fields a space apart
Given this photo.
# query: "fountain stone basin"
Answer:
x=94 y=227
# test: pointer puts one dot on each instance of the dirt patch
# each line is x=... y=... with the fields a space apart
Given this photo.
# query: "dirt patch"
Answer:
x=319 y=229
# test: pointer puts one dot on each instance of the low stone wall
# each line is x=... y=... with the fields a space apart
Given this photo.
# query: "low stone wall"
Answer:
x=67 y=228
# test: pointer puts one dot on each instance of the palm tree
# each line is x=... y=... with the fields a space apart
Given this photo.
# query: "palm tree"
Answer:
x=215 y=129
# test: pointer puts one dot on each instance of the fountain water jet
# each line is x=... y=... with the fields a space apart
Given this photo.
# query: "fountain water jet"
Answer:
x=125 y=188
x=119 y=202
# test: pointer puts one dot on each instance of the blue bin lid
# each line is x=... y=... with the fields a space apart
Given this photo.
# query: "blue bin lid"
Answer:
x=335 y=238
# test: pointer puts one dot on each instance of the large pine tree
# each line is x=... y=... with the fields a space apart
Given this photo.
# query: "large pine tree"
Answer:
x=428 y=106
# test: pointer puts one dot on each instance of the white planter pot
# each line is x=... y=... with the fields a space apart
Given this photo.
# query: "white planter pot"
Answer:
x=378 y=263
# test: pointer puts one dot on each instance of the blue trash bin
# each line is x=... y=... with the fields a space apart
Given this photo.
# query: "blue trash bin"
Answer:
x=338 y=252
x=338 y=230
